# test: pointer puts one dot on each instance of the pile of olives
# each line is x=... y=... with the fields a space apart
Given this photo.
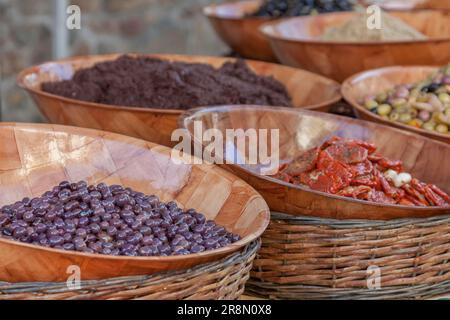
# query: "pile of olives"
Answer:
x=110 y=220
x=292 y=8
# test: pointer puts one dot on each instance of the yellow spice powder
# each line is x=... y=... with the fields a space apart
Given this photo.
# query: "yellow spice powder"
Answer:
x=392 y=29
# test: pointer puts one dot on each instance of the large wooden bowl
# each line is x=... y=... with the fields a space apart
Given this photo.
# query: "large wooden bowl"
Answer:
x=300 y=130
x=240 y=31
x=307 y=90
x=372 y=82
x=34 y=158
x=296 y=43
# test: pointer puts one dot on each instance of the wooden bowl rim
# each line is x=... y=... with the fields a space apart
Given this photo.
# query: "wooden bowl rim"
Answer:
x=187 y=116
x=346 y=87
x=21 y=83
x=267 y=30
x=210 y=12
x=167 y=259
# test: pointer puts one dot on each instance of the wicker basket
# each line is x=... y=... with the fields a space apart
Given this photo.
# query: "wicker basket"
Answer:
x=224 y=279
x=314 y=258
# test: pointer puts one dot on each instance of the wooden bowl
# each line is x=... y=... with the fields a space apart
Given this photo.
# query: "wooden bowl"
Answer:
x=307 y=90
x=34 y=158
x=359 y=86
x=301 y=130
x=239 y=31
x=296 y=43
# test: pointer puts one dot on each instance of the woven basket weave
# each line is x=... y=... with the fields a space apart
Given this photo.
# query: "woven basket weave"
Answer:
x=224 y=279
x=314 y=258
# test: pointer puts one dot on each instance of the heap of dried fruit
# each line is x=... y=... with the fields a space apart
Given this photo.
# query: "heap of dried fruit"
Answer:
x=352 y=168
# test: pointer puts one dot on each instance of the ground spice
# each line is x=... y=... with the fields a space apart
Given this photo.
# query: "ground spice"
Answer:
x=392 y=29
x=155 y=83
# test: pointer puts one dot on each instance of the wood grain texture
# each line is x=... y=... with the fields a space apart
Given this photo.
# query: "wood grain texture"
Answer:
x=359 y=86
x=50 y=154
x=301 y=130
x=296 y=43
x=307 y=90
x=239 y=31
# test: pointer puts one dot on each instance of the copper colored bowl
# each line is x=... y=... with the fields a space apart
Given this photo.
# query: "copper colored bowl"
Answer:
x=372 y=82
x=296 y=43
x=239 y=31
x=34 y=158
x=307 y=90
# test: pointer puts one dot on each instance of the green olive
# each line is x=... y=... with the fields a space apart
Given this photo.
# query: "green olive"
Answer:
x=442 y=128
x=444 y=97
x=381 y=97
x=429 y=126
x=447 y=112
x=394 y=116
x=441 y=118
x=384 y=109
x=405 y=117
x=396 y=103
x=370 y=104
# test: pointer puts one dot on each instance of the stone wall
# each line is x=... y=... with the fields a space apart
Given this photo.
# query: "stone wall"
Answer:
x=107 y=26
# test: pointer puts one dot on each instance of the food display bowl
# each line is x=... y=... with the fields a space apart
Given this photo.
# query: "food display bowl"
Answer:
x=306 y=89
x=372 y=82
x=301 y=130
x=239 y=31
x=296 y=43
x=34 y=158
x=223 y=279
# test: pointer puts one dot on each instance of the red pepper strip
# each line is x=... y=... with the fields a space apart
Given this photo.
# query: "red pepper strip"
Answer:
x=433 y=197
x=440 y=192
x=414 y=200
x=417 y=194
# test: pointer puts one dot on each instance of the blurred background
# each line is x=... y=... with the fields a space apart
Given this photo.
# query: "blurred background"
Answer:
x=28 y=29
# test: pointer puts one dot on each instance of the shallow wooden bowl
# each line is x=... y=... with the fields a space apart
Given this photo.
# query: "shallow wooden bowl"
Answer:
x=34 y=158
x=239 y=31
x=300 y=130
x=307 y=90
x=372 y=82
x=296 y=43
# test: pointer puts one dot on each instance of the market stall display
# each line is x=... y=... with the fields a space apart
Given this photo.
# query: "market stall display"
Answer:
x=412 y=98
x=297 y=42
x=286 y=203
x=307 y=90
x=48 y=154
